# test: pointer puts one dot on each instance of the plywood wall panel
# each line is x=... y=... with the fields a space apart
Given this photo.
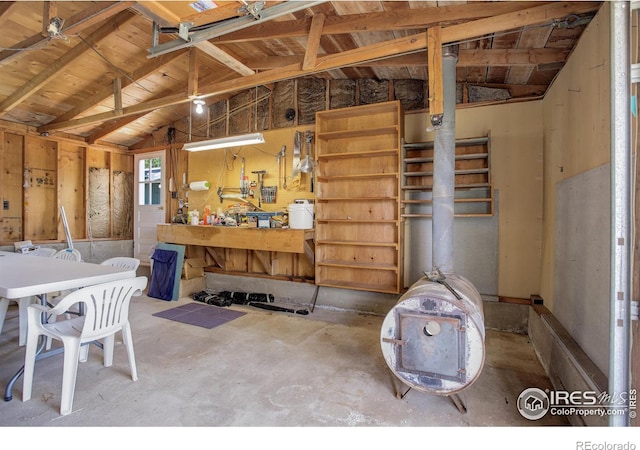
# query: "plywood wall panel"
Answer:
x=122 y=162
x=40 y=193
x=11 y=179
x=71 y=189
x=98 y=158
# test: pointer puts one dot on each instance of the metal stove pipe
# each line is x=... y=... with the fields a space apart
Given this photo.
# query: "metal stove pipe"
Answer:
x=444 y=156
x=433 y=339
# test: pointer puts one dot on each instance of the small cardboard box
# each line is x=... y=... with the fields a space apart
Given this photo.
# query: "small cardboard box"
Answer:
x=193 y=268
x=188 y=287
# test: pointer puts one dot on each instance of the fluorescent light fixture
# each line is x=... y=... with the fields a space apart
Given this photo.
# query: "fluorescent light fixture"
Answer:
x=230 y=141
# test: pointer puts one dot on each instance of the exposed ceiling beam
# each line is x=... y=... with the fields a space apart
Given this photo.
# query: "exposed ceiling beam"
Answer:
x=511 y=57
x=112 y=126
x=535 y=37
x=131 y=78
x=545 y=13
x=43 y=77
x=5 y=11
x=273 y=12
x=157 y=9
x=160 y=13
x=466 y=58
x=117 y=95
x=92 y=15
x=313 y=42
x=50 y=11
x=228 y=10
x=396 y=20
x=436 y=81
x=192 y=83
x=225 y=58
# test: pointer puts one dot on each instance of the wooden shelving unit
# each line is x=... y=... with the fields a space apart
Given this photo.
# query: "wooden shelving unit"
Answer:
x=473 y=186
x=358 y=232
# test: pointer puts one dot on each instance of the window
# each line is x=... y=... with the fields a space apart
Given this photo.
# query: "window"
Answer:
x=150 y=176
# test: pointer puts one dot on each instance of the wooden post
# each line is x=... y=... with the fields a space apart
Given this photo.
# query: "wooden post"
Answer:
x=434 y=55
x=117 y=95
x=193 y=72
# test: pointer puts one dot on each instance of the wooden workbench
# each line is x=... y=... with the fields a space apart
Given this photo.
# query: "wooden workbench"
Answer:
x=274 y=252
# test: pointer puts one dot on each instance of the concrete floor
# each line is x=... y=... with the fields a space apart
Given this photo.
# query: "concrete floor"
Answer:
x=265 y=369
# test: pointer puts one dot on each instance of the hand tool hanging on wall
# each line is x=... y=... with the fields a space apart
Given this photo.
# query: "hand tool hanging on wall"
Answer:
x=260 y=174
x=243 y=192
x=284 y=165
x=279 y=162
x=296 y=154
x=307 y=166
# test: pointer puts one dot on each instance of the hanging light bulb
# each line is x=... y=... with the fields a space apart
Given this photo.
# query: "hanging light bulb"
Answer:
x=199 y=106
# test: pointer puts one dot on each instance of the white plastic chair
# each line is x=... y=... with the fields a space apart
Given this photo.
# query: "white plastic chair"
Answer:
x=70 y=254
x=107 y=312
x=22 y=302
x=123 y=262
x=43 y=251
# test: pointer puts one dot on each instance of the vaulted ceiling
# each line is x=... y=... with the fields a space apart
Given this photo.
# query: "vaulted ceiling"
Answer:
x=114 y=72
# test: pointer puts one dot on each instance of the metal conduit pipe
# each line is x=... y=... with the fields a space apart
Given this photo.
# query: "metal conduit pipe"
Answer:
x=620 y=293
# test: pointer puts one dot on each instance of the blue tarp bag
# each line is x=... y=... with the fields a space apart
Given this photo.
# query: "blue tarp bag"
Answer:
x=163 y=274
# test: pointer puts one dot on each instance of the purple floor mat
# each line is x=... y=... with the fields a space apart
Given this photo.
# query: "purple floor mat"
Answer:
x=200 y=314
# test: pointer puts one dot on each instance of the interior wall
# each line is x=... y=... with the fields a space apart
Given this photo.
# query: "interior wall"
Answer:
x=576 y=121
x=515 y=131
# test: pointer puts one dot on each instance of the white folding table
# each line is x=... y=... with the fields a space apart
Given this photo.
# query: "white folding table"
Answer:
x=26 y=276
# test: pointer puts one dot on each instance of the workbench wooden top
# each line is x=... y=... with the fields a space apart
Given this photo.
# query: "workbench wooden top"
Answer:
x=268 y=239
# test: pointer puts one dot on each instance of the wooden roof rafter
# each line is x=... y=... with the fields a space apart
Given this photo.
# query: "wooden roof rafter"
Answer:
x=97 y=13
x=543 y=13
x=53 y=69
